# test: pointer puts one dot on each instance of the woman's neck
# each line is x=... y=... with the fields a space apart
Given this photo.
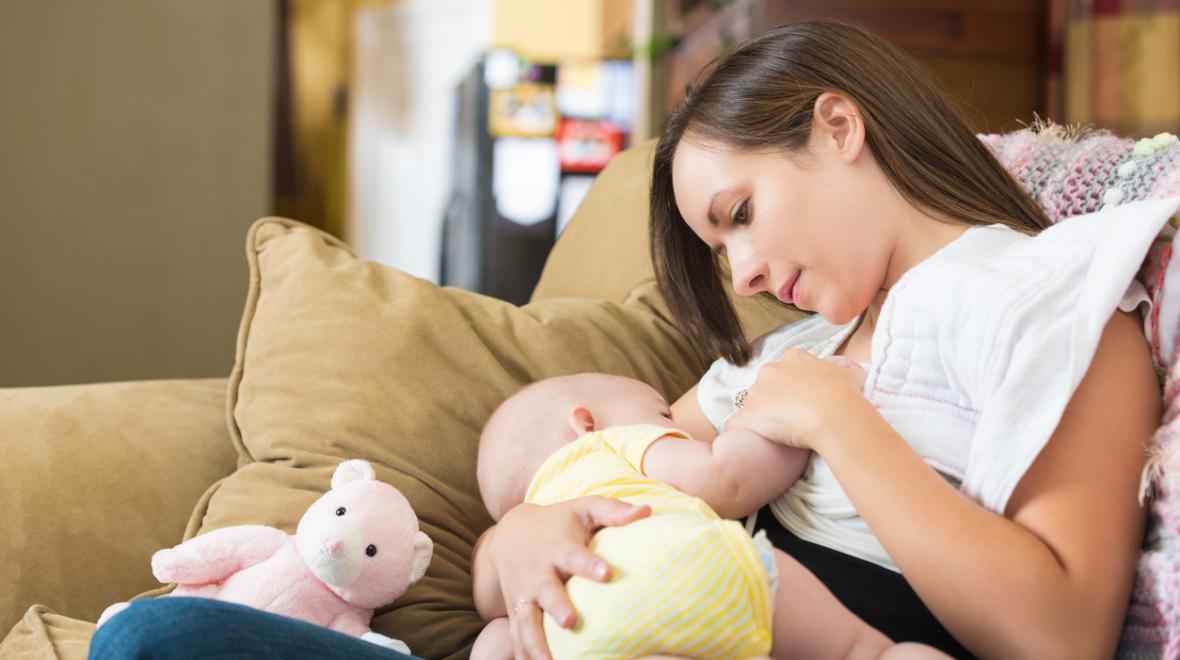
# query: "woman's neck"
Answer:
x=915 y=243
x=922 y=237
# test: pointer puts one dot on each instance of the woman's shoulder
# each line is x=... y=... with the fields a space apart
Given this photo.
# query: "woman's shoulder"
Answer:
x=982 y=247
x=1033 y=324
x=1102 y=243
x=995 y=270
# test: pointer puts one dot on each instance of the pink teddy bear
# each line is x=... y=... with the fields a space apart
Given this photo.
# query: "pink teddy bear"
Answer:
x=356 y=549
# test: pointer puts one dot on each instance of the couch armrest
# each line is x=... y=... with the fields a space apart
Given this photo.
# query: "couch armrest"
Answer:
x=94 y=479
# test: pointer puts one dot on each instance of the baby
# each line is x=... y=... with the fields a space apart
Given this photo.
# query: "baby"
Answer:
x=687 y=581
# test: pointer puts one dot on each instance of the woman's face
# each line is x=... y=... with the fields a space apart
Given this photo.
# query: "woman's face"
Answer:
x=776 y=218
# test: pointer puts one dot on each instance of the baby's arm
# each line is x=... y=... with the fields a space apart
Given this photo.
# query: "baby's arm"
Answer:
x=687 y=414
x=736 y=474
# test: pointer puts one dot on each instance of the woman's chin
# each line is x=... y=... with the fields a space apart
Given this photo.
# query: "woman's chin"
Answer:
x=837 y=317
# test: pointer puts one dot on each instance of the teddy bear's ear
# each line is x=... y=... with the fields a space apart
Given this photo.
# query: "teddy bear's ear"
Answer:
x=350 y=471
x=423 y=551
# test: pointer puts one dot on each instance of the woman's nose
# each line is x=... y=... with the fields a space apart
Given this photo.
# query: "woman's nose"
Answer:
x=749 y=276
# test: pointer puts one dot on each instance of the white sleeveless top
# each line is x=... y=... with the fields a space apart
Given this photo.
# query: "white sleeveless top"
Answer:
x=977 y=351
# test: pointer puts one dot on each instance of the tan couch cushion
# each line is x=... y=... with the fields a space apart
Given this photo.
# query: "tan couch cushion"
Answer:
x=96 y=478
x=602 y=253
x=42 y=634
x=339 y=358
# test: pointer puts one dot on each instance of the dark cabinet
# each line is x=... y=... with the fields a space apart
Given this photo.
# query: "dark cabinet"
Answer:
x=989 y=56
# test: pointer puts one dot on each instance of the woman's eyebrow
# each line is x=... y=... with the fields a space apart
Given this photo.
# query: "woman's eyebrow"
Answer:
x=712 y=202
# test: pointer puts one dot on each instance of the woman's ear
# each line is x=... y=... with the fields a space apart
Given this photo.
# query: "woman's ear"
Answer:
x=581 y=421
x=837 y=125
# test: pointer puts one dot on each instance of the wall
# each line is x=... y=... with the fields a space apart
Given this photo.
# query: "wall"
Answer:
x=408 y=60
x=134 y=154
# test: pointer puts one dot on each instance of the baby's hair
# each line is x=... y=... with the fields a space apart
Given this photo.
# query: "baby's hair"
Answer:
x=760 y=97
x=523 y=431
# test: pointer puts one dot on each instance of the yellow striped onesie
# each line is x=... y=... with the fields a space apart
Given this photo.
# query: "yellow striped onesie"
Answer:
x=685 y=582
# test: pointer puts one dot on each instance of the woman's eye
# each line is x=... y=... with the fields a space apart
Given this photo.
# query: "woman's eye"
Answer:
x=742 y=215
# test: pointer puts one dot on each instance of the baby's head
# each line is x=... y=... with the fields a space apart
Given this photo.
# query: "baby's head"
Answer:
x=548 y=414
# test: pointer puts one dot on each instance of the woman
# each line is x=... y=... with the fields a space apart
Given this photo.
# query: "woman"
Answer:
x=824 y=165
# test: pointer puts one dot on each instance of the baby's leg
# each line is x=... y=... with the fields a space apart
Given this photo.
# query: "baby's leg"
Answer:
x=494 y=641
x=809 y=622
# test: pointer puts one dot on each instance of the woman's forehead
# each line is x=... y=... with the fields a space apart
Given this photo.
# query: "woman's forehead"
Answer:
x=699 y=170
x=702 y=161
x=699 y=174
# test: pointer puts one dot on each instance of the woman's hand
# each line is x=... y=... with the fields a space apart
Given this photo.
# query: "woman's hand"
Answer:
x=794 y=399
x=536 y=548
x=854 y=373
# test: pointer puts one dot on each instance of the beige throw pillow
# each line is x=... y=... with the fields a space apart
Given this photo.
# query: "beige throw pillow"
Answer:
x=340 y=358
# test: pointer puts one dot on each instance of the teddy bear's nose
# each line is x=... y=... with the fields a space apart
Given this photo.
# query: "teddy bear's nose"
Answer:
x=332 y=546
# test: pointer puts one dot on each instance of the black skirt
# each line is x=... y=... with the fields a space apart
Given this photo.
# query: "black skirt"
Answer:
x=879 y=596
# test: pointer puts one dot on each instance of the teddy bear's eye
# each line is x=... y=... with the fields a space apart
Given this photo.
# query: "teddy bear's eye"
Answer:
x=340 y=511
x=371 y=550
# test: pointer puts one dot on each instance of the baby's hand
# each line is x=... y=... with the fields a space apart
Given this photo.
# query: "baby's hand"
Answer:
x=856 y=374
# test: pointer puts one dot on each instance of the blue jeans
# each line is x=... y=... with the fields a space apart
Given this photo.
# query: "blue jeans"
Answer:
x=176 y=627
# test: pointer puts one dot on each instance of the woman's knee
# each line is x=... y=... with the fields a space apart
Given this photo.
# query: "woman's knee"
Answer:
x=187 y=628
x=149 y=625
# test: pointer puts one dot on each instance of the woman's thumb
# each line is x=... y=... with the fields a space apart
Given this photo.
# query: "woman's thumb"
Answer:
x=842 y=361
x=604 y=511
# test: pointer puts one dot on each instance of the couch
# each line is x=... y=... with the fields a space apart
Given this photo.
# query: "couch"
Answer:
x=336 y=358
x=100 y=476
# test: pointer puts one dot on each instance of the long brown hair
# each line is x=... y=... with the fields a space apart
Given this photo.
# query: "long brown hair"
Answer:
x=760 y=96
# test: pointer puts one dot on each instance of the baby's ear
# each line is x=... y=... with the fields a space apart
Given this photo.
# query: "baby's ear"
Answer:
x=581 y=421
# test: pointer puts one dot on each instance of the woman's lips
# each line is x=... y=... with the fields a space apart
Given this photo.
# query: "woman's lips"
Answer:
x=787 y=292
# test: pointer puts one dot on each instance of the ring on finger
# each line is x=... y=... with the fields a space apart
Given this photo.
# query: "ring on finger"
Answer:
x=739 y=399
x=521 y=603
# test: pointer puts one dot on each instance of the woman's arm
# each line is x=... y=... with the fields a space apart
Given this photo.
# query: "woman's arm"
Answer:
x=1052 y=577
